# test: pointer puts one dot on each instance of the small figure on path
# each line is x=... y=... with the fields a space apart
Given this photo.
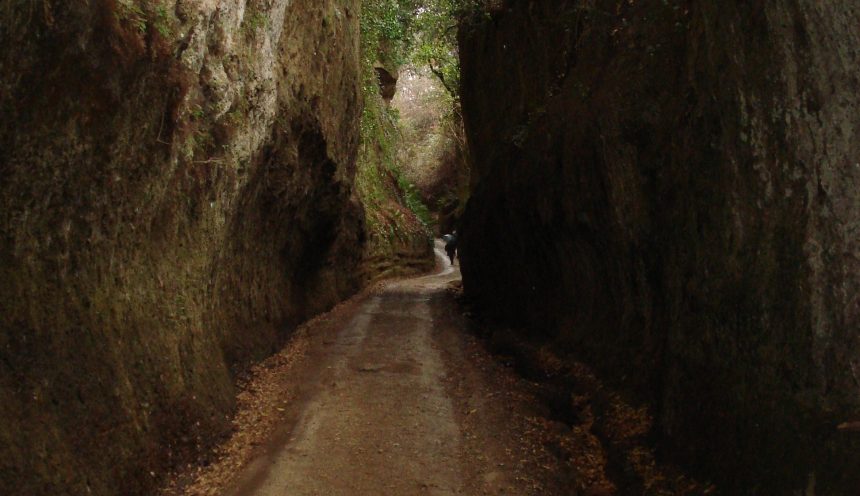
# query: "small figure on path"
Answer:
x=451 y=245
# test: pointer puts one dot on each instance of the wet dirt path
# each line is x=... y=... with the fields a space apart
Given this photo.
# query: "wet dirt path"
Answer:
x=392 y=409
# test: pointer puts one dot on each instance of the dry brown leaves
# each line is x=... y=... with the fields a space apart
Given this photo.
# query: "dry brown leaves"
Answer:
x=264 y=393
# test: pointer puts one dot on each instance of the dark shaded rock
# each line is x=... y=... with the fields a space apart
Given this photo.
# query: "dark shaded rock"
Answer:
x=671 y=192
x=387 y=82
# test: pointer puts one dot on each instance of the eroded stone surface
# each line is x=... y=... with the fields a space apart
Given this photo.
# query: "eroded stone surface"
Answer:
x=671 y=191
x=176 y=195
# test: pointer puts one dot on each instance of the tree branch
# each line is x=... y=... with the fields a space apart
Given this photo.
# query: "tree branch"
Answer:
x=441 y=76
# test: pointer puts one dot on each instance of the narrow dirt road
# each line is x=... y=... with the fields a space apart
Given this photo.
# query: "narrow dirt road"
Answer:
x=392 y=393
x=392 y=404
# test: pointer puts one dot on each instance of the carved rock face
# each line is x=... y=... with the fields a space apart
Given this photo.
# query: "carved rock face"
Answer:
x=673 y=193
x=176 y=195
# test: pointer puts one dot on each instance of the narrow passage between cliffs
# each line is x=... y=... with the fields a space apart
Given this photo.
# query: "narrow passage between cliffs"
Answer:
x=389 y=396
x=397 y=392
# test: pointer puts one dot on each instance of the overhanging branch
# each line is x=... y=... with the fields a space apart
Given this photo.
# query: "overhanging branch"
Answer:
x=441 y=76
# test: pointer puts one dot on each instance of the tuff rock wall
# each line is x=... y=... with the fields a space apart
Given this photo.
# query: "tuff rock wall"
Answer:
x=671 y=191
x=175 y=195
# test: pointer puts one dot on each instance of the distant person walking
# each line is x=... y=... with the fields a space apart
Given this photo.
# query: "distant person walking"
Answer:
x=451 y=245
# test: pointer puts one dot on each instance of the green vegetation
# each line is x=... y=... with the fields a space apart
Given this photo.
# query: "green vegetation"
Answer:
x=413 y=200
x=253 y=22
x=393 y=209
x=162 y=22
x=435 y=41
x=144 y=15
x=405 y=166
x=422 y=33
x=385 y=28
x=434 y=151
x=131 y=12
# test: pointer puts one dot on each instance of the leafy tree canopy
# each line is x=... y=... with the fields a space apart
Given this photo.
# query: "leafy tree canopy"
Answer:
x=418 y=32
